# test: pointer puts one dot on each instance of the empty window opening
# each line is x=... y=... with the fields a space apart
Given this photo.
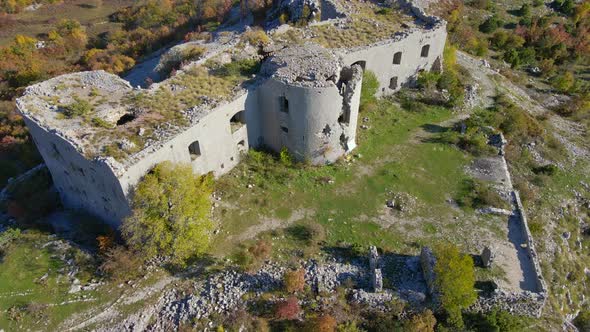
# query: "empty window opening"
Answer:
x=425 y=51
x=285 y=129
x=195 y=150
x=237 y=121
x=222 y=166
x=241 y=144
x=128 y=117
x=397 y=58
x=284 y=104
x=393 y=83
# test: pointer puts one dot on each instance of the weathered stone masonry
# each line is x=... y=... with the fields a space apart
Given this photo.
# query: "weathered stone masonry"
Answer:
x=306 y=99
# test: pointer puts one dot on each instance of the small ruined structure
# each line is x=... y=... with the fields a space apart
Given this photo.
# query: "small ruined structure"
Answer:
x=99 y=135
x=375 y=270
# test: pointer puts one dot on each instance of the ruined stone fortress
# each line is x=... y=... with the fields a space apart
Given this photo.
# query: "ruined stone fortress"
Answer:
x=99 y=135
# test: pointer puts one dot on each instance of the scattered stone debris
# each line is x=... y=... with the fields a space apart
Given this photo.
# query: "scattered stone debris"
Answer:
x=402 y=202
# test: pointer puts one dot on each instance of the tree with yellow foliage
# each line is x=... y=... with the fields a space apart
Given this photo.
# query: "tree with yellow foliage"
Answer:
x=170 y=214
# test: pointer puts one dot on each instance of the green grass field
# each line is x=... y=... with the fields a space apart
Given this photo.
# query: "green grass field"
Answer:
x=348 y=198
x=34 y=285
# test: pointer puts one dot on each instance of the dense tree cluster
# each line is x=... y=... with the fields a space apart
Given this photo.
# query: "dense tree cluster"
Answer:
x=555 y=43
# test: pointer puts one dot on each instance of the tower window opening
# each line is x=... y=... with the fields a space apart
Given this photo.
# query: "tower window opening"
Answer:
x=284 y=104
x=194 y=150
x=425 y=51
x=397 y=58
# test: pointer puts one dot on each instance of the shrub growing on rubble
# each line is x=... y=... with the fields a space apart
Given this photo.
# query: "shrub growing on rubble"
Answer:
x=294 y=280
x=455 y=280
x=288 y=309
x=170 y=213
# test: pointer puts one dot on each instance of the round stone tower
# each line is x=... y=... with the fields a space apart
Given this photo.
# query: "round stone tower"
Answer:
x=309 y=104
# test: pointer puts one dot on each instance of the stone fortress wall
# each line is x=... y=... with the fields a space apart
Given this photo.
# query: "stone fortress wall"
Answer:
x=526 y=302
x=90 y=185
x=319 y=124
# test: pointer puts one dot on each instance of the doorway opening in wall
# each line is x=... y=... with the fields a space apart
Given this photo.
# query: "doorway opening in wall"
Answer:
x=425 y=51
x=393 y=83
x=361 y=63
x=237 y=121
x=284 y=104
x=194 y=150
x=397 y=58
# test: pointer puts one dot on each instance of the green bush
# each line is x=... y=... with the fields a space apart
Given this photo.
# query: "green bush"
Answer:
x=491 y=24
x=564 y=82
x=170 y=213
x=525 y=10
x=582 y=321
x=478 y=194
x=285 y=157
x=79 y=107
x=7 y=237
x=497 y=321
x=545 y=169
x=455 y=280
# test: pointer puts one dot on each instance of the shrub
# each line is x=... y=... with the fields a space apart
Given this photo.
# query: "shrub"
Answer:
x=455 y=280
x=256 y=37
x=564 y=82
x=309 y=234
x=421 y=322
x=170 y=213
x=324 y=323
x=242 y=320
x=119 y=264
x=79 y=107
x=428 y=80
x=285 y=157
x=497 y=320
x=261 y=250
x=481 y=4
x=582 y=320
x=294 y=280
x=545 y=169
x=176 y=57
x=491 y=24
x=478 y=194
x=288 y=309
x=349 y=327
x=7 y=237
